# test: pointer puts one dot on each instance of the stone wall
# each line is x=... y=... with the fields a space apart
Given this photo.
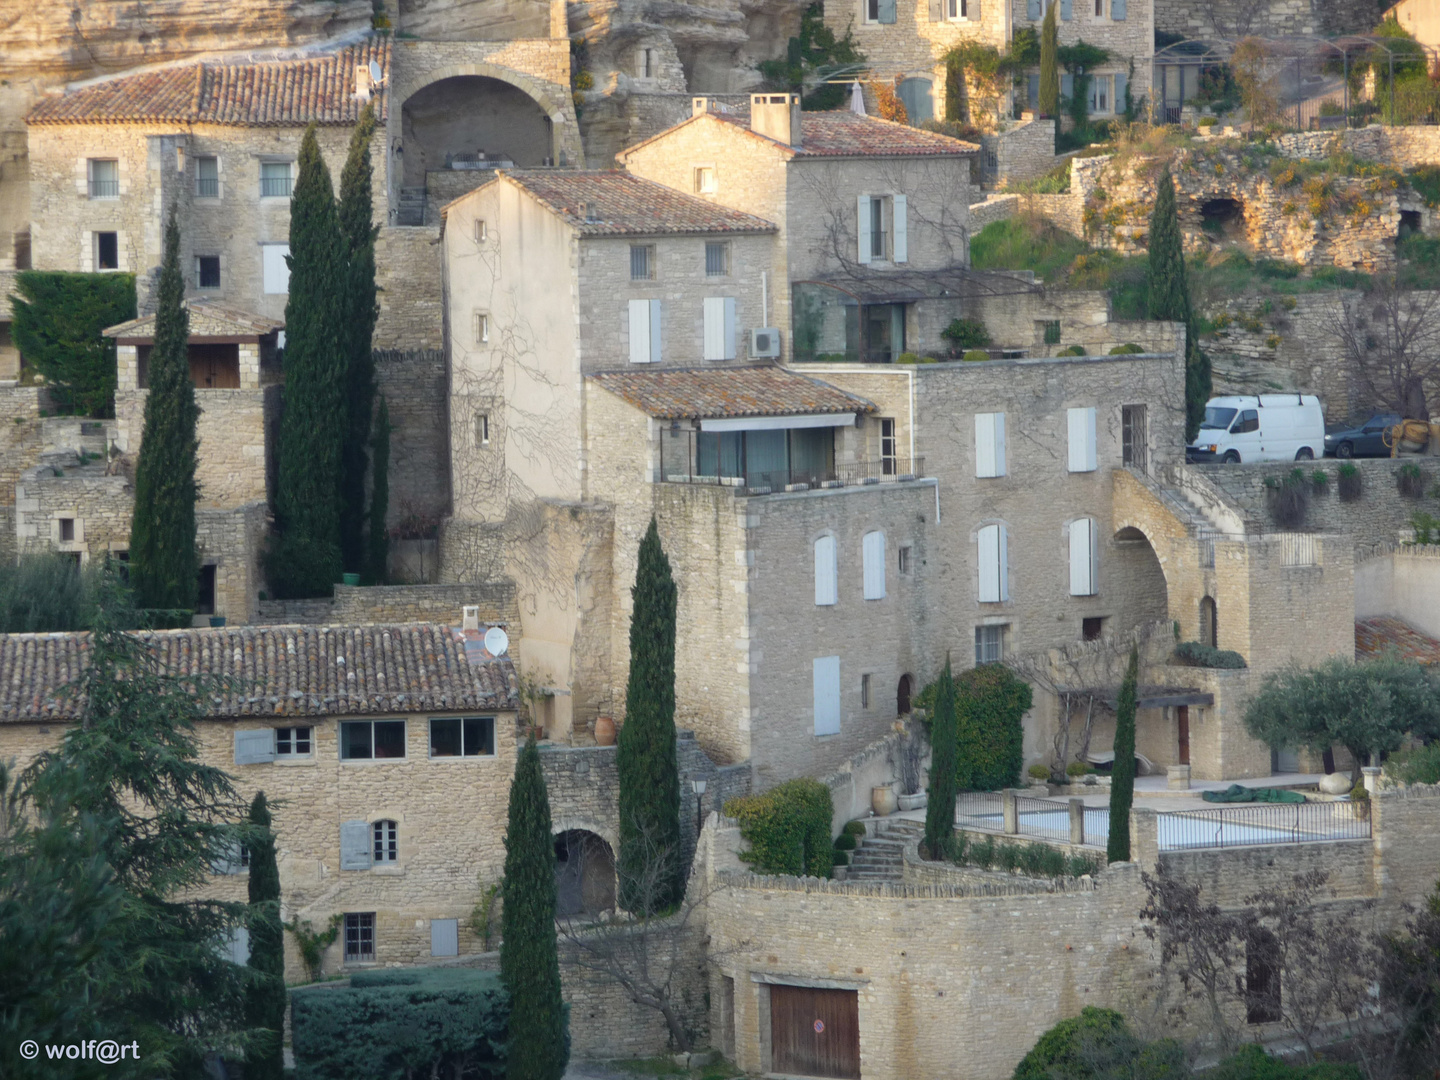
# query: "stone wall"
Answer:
x=1269 y=18
x=415 y=385
x=1022 y=152
x=21 y=440
x=62 y=488
x=994 y=208
x=407 y=273
x=372 y=604
x=233 y=541
x=1403 y=581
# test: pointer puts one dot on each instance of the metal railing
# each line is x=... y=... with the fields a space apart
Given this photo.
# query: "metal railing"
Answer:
x=208 y=187
x=275 y=186
x=768 y=481
x=104 y=189
x=1263 y=823
x=1042 y=818
x=980 y=810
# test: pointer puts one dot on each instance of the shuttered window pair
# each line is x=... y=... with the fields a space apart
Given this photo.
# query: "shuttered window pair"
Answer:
x=989 y=445
x=644 y=331
x=259 y=745
x=993 y=563
x=365 y=844
x=882 y=228
x=719 y=337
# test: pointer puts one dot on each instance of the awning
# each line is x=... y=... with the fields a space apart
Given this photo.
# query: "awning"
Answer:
x=777 y=423
x=1147 y=697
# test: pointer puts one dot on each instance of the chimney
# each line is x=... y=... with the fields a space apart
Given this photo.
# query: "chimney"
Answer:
x=470 y=617
x=776 y=116
x=363 y=83
x=699 y=105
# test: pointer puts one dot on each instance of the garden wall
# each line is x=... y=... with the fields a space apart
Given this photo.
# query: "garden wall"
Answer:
x=1401 y=581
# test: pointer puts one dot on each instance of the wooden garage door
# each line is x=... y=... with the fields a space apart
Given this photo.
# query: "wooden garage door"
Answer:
x=814 y=1032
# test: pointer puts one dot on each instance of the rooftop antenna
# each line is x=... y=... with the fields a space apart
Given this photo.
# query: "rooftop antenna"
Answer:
x=375 y=73
x=496 y=641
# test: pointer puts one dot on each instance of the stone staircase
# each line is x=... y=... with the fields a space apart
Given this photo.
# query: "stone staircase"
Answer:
x=410 y=210
x=879 y=858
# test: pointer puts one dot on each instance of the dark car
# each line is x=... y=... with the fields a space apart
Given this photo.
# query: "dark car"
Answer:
x=1367 y=440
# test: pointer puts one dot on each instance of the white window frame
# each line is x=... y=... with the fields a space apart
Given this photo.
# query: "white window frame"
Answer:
x=1095 y=105
x=90 y=180
x=825 y=684
x=904 y=560
x=706 y=182
x=827 y=571
x=219 y=189
x=1080 y=439
x=385 y=834
x=274 y=270
x=872 y=561
x=989 y=445
x=992 y=564
x=219 y=273
x=482 y=328
x=893 y=245
x=482 y=231
x=988 y=637
x=718 y=338
x=482 y=429
x=1084 y=557
x=957 y=10
x=288 y=745
x=889 y=447
x=95 y=251
x=289 y=175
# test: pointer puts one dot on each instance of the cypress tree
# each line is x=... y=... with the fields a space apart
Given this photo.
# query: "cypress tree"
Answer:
x=944 y=784
x=359 y=237
x=650 y=871
x=163 y=564
x=1169 y=298
x=305 y=559
x=1050 y=65
x=1122 y=783
x=379 y=554
x=265 y=996
x=539 y=1043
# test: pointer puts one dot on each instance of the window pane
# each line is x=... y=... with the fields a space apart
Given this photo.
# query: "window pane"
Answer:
x=444 y=738
x=716 y=260
x=390 y=738
x=387 y=848
x=107 y=251
x=283 y=743
x=766 y=459
x=355 y=740
x=812 y=454
x=208 y=267
x=639 y=262
x=302 y=740
x=479 y=736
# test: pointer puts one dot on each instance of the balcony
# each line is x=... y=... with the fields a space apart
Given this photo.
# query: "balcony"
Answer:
x=208 y=187
x=104 y=189
x=275 y=187
x=889 y=470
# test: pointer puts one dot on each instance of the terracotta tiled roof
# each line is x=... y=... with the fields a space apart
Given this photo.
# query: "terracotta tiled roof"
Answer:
x=276 y=671
x=720 y=392
x=620 y=204
x=1374 y=636
x=206 y=319
x=255 y=93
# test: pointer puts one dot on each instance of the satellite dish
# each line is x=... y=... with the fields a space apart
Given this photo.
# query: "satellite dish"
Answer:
x=496 y=641
x=375 y=72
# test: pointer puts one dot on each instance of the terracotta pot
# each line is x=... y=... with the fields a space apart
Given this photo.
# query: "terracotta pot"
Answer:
x=883 y=800
x=604 y=731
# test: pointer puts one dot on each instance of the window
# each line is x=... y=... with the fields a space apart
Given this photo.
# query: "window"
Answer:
x=993 y=566
x=902 y=561
x=874 y=213
x=889 y=459
x=644 y=331
x=1209 y=623
x=719 y=341
x=717 y=259
x=274 y=269
x=67 y=530
x=880 y=11
x=444 y=937
x=255 y=746
x=918 y=97
x=865 y=691
x=989 y=644
x=471 y=736
x=989 y=445
x=826 y=677
x=872 y=554
x=107 y=251
x=292 y=742
x=705 y=180
x=1133 y=436
x=207 y=178
x=1101 y=98
x=275 y=179
x=365 y=740
x=1050 y=331
x=387 y=842
x=827 y=585
x=481 y=235
x=1262 y=978
x=232 y=858
x=482 y=429
x=645 y=66
x=1081 y=425
x=207 y=271
x=359 y=937
x=958 y=9
x=642 y=262
x=1092 y=628
x=1099 y=9
x=1249 y=421
x=482 y=328
x=1082 y=557
x=104 y=178
x=205 y=591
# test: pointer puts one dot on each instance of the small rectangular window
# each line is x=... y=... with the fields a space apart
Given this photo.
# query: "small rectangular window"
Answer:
x=1091 y=628
x=104 y=178
x=481 y=235
x=387 y=842
x=359 y=937
x=207 y=178
x=717 y=259
x=1050 y=331
x=482 y=429
x=107 y=251
x=275 y=179
x=292 y=742
x=472 y=736
x=877 y=228
x=1134 y=437
x=989 y=644
x=865 y=691
x=826 y=688
x=207 y=271
x=902 y=561
x=705 y=180
x=67 y=530
x=365 y=740
x=205 y=591
x=1099 y=9
x=642 y=262
x=889 y=459
x=482 y=328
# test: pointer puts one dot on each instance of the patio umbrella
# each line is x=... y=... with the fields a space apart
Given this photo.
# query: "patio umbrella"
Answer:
x=857 y=99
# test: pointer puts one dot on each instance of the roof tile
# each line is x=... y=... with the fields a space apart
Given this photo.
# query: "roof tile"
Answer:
x=727 y=392
x=612 y=203
x=1374 y=636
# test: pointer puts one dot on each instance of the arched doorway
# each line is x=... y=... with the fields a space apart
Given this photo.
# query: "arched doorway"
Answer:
x=584 y=874
x=1146 y=598
x=903 y=692
x=458 y=118
x=1209 y=626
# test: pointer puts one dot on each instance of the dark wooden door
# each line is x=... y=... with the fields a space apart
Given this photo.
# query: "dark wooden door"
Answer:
x=1182 y=721
x=814 y=1032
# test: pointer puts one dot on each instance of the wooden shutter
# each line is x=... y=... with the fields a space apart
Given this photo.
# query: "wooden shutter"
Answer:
x=1082 y=557
x=1117 y=105
x=444 y=937
x=729 y=328
x=274 y=270
x=937 y=11
x=999 y=425
x=254 y=747
x=989 y=544
x=715 y=328
x=826 y=588
x=1065 y=10
x=1117 y=10
x=1032 y=10
x=872 y=552
x=1082 y=439
x=639 y=331
x=862 y=212
x=900 y=239
x=887 y=11
x=354 y=845
x=826 y=677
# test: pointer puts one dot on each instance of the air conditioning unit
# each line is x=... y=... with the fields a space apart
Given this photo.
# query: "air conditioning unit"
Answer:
x=765 y=342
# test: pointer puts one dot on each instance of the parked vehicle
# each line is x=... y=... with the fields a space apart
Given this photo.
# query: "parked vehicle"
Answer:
x=1260 y=427
x=1364 y=440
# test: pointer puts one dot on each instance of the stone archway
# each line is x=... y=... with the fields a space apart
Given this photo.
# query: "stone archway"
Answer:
x=584 y=873
x=1144 y=593
x=456 y=119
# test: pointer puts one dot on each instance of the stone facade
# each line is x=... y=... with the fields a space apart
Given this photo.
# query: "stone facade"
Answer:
x=1270 y=18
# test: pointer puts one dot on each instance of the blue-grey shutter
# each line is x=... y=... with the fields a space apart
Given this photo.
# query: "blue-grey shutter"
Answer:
x=1117 y=10
x=1032 y=91
x=1032 y=10
x=444 y=937
x=1117 y=105
x=237 y=945
x=227 y=860
x=887 y=11
x=1067 y=86
x=254 y=747
x=1065 y=10
x=354 y=845
x=937 y=11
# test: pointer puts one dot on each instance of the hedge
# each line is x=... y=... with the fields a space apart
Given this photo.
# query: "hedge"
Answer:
x=990 y=703
x=397 y=1023
x=58 y=319
x=1195 y=654
x=787 y=828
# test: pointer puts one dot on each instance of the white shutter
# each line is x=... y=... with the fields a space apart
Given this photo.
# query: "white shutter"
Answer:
x=993 y=565
x=826 y=674
x=354 y=845
x=862 y=214
x=887 y=11
x=254 y=747
x=227 y=861
x=900 y=240
x=274 y=270
x=999 y=444
x=654 y=331
x=985 y=444
x=826 y=586
x=872 y=552
x=639 y=331
x=444 y=937
x=714 y=339
x=1082 y=439
x=729 y=328
x=1082 y=557
x=236 y=947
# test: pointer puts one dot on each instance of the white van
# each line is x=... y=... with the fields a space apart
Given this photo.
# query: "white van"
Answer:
x=1262 y=427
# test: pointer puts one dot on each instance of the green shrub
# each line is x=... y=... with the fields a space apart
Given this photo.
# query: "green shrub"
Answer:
x=45 y=593
x=1349 y=482
x=908 y=358
x=1126 y=350
x=58 y=319
x=845 y=842
x=1073 y=350
x=1426 y=526
x=990 y=703
x=854 y=828
x=787 y=828
x=966 y=334
x=396 y=1023
x=1196 y=654
x=1067 y=1048
x=1319 y=481
x=1253 y=1063
x=1418 y=766
x=975 y=356
x=1076 y=768
x=840 y=857
x=1410 y=481
x=1289 y=499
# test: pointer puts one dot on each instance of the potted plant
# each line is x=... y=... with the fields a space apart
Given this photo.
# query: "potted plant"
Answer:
x=1360 y=800
x=906 y=754
x=1039 y=776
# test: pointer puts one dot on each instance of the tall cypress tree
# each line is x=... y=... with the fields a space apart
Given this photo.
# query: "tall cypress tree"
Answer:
x=359 y=235
x=163 y=563
x=305 y=558
x=944 y=783
x=378 y=557
x=1169 y=298
x=650 y=870
x=539 y=1042
x=265 y=996
x=1122 y=783
x=1050 y=65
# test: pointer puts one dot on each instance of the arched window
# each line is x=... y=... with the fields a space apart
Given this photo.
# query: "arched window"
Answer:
x=902 y=694
x=826 y=585
x=1209 y=626
x=387 y=841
